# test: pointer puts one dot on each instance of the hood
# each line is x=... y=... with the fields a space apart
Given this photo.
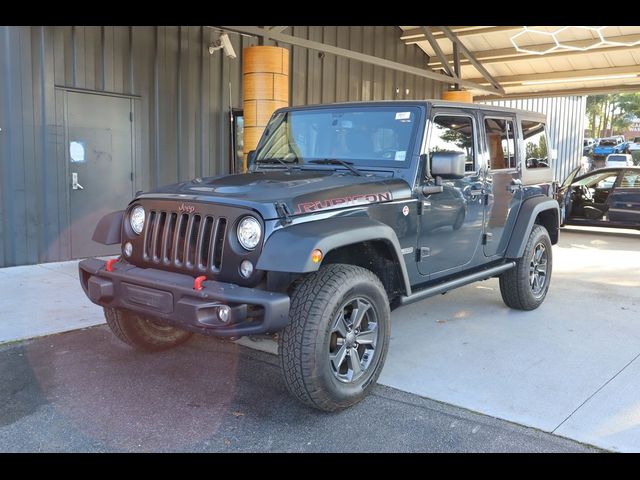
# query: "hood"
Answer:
x=303 y=191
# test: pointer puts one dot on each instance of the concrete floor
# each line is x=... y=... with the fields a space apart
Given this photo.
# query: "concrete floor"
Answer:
x=569 y=367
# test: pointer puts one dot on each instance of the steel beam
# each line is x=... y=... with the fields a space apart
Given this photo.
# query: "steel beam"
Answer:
x=474 y=61
x=509 y=54
x=415 y=35
x=568 y=75
x=362 y=57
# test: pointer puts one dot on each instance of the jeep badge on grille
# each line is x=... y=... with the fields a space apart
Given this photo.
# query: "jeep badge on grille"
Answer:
x=187 y=208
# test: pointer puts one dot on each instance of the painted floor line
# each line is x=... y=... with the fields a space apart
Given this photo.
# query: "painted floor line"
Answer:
x=595 y=393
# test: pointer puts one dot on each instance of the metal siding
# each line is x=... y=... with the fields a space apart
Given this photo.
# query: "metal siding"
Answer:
x=180 y=102
x=566 y=119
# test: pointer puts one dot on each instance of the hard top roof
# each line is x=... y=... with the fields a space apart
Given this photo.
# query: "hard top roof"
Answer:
x=428 y=102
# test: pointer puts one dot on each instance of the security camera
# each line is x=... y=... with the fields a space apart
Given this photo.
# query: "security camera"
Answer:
x=225 y=44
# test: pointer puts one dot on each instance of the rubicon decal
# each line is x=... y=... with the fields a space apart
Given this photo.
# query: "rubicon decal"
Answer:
x=349 y=200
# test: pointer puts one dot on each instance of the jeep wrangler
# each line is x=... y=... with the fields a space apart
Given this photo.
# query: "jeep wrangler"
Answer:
x=347 y=211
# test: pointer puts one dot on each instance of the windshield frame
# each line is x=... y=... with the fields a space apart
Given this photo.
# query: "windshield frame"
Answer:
x=414 y=143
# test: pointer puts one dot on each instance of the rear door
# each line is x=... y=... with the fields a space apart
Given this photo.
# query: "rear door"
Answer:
x=625 y=199
x=502 y=186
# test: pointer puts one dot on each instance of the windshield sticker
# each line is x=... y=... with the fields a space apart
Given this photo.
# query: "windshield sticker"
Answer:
x=401 y=155
x=350 y=200
x=403 y=115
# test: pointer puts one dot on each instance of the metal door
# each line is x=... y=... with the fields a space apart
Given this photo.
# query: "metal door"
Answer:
x=451 y=221
x=99 y=154
x=503 y=182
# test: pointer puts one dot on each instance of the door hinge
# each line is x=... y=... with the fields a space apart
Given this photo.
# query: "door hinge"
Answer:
x=486 y=238
x=132 y=176
x=131 y=116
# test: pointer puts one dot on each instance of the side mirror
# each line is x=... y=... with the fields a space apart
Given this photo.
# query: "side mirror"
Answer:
x=251 y=156
x=447 y=164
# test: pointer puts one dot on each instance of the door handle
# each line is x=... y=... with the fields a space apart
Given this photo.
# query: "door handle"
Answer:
x=74 y=182
x=516 y=184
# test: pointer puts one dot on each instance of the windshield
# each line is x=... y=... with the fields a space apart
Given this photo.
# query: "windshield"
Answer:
x=371 y=135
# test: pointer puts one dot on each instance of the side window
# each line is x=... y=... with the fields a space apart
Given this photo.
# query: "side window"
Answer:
x=631 y=179
x=501 y=144
x=454 y=134
x=535 y=143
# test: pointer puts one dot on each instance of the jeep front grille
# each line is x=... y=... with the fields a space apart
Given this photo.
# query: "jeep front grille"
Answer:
x=185 y=241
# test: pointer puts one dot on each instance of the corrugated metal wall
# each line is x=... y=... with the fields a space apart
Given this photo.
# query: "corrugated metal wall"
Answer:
x=181 y=102
x=566 y=117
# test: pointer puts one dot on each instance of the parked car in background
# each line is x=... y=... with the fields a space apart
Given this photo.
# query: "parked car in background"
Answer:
x=619 y=160
x=607 y=146
x=588 y=145
x=633 y=145
x=607 y=197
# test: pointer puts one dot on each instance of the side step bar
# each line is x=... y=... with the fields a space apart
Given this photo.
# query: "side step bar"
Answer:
x=455 y=283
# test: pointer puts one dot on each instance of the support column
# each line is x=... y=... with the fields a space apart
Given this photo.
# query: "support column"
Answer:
x=265 y=78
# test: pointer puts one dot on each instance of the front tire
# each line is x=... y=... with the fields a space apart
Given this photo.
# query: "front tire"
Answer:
x=144 y=333
x=525 y=286
x=335 y=345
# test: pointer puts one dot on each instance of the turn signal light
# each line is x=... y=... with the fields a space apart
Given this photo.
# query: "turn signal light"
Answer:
x=316 y=256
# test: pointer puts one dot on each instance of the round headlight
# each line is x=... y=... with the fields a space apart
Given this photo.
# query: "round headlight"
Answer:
x=249 y=232
x=136 y=219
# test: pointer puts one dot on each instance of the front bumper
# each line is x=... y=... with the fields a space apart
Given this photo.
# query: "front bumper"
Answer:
x=170 y=297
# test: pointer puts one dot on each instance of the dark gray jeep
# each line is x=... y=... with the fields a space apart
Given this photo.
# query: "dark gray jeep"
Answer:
x=347 y=212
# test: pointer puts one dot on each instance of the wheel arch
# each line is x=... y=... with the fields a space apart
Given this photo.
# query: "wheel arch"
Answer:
x=540 y=210
x=358 y=241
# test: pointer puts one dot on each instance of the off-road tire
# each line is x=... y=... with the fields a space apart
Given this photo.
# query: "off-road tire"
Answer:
x=515 y=286
x=304 y=344
x=141 y=333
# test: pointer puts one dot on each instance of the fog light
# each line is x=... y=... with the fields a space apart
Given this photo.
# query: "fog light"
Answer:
x=128 y=249
x=224 y=313
x=246 y=268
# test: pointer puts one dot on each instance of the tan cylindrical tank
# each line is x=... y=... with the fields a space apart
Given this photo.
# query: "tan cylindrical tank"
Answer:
x=457 y=96
x=265 y=78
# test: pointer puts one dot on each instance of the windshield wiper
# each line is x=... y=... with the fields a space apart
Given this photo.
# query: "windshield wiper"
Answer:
x=275 y=160
x=335 y=161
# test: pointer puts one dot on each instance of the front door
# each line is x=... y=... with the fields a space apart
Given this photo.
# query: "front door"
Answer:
x=503 y=190
x=625 y=200
x=451 y=221
x=99 y=154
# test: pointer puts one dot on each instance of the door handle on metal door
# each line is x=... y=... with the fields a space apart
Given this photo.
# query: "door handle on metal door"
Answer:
x=74 y=182
x=516 y=184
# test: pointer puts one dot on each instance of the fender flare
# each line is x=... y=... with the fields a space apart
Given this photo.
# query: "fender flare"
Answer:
x=289 y=249
x=524 y=223
x=109 y=228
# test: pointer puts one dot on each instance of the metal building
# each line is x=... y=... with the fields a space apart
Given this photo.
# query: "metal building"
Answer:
x=154 y=105
x=566 y=122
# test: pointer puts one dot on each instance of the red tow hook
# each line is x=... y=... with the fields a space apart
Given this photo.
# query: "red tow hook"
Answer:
x=197 y=283
x=109 y=266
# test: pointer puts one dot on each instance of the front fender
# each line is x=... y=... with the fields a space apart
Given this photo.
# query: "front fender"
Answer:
x=289 y=249
x=109 y=228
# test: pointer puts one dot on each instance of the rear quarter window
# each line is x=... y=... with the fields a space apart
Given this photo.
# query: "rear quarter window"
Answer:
x=535 y=144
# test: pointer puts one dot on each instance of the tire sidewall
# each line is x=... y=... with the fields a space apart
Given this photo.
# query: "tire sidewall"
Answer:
x=348 y=393
x=538 y=235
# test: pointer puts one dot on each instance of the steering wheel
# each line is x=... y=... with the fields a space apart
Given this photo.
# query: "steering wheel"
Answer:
x=586 y=193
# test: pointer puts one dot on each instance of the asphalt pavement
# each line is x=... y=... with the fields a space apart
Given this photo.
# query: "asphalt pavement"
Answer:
x=85 y=391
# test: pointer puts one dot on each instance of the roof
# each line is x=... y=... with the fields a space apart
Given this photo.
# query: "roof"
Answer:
x=549 y=60
x=432 y=102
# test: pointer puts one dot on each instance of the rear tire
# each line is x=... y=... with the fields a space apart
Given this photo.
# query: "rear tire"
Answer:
x=144 y=333
x=335 y=345
x=525 y=286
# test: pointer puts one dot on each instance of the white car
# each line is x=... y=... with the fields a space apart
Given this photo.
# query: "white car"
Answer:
x=619 y=160
x=634 y=144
